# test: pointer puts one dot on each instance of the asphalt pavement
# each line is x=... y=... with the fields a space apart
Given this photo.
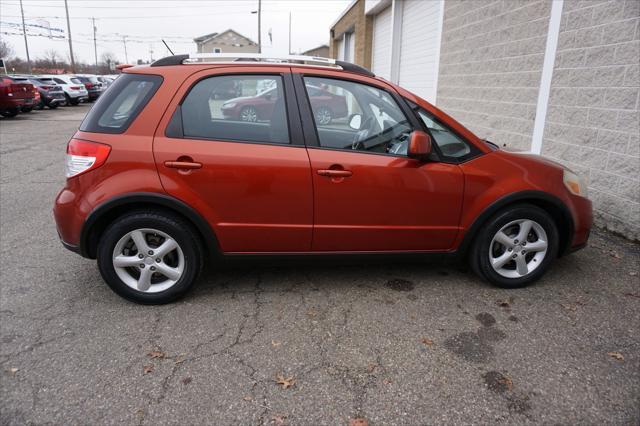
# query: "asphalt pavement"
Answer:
x=395 y=344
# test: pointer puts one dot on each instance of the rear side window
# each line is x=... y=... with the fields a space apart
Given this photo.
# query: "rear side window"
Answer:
x=243 y=108
x=59 y=81
x=121 y=104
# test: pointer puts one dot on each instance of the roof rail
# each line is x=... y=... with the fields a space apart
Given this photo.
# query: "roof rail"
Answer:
x=259 y=57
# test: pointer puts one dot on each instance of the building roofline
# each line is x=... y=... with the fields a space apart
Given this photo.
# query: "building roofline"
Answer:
x=344 y=12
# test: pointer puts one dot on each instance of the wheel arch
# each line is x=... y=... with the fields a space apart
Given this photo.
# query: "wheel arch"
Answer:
x=556 y=208
x=104 y=214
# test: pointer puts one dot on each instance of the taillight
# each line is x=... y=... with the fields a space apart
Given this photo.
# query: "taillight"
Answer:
x=46 y=87
x=74 y=87
x=83 y=156
x=88 y=85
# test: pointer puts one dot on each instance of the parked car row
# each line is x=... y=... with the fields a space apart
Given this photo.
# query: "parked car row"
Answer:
x=24 y=93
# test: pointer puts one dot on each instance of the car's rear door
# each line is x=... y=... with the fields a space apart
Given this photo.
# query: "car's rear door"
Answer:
x=368 y=195
x=250 y=180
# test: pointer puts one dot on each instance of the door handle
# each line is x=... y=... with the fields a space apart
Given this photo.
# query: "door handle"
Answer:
x=185 y=165
x=335 y=173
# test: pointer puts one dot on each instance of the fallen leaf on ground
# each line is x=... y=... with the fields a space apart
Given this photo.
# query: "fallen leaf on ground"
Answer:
x=180 y=359
x=275 y=343
x=148 y=369
x=507 y=382
x=285 y=382
x=632 y=295
x=386 y=381
x=571 y=308
x=358 y=421
x=278 y=419
x=13 y=370
x=503 y=303
x=427 y=342
x=633 y=273
x=312 y=313
x=187 y=380
x=616 y=355
x=248 y=398
x=156 y=354
x=372 y=366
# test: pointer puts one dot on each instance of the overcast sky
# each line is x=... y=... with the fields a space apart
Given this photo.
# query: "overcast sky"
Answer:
x=145 y=22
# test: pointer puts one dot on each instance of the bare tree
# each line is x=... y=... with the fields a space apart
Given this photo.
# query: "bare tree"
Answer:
x=5 y=49
x=52 y=57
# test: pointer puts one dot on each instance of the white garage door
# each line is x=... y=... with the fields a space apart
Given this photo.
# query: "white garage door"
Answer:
x=419 y=44
x=381 y=51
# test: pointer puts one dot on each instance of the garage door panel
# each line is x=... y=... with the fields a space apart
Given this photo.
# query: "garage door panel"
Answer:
x=381 y=50
x=419 y=34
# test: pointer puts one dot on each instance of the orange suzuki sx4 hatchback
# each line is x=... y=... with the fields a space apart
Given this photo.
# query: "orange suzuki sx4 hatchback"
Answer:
x=201 y=157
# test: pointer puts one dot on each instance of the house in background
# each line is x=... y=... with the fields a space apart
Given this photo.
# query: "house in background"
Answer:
x=555 y=77
x=228 y=41
x=321 y=51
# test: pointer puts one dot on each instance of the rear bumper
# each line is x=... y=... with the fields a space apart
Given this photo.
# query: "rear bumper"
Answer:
x=10 y=103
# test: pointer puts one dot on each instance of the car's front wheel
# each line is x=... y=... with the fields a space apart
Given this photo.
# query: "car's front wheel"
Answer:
x=150 y=258
x=249 y=114
x=516 y=246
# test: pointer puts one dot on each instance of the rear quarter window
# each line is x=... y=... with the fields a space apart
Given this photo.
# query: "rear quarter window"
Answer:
x=120 y=105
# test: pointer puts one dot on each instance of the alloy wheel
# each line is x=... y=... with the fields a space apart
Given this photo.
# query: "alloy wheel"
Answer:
x=323 y=116
x=148 y=260
x=249 y=114
x=518 y=248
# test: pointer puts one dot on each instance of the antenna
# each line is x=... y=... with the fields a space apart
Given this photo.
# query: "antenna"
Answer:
x=167 y=46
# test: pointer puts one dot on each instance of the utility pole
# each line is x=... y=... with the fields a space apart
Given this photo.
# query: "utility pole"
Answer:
x=24 y=32
x=259 y=26
x=73 y=61
x=95 y=46
x=124 y=41
x=150 y=52
x=289 y=33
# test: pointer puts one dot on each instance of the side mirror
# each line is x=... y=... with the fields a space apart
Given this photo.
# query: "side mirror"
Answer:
x=355 y=121
x=419 y=146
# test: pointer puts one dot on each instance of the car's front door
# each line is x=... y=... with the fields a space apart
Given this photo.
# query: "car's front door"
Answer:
x=368 y=195
x=250 y=180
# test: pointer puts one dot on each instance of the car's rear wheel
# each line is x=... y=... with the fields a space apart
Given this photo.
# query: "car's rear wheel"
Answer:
x=323 y=116
x=26 y=109
x=40 y=105
x=516 y=247
x=53 y=106
x=249 y=114
x=150 y=258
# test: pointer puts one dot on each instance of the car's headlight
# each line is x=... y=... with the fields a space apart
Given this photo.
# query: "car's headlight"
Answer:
x=229 y=105
x=574 y=184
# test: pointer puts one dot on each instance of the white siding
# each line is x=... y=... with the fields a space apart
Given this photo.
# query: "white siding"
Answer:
x=381 y=61
x=420 y=37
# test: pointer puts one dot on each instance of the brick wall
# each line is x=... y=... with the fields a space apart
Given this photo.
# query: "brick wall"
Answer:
x=593 y=119
x=490 y=66
x=362 y=26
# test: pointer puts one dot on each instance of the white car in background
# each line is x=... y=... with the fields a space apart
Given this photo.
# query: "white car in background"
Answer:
x=74 y=90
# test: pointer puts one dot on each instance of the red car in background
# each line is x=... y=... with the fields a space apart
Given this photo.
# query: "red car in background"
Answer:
x=326 y=105
x=16 y=94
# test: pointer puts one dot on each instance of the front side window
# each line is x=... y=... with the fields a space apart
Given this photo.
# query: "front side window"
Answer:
x=120 y=105
x=241 y=108
x=355 y=116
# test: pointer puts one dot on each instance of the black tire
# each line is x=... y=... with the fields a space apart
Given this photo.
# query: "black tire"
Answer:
x=182 y=232
x=479 y=255
x=26 y=110
x=40 y=105
x=53 y=106
x=9 y=112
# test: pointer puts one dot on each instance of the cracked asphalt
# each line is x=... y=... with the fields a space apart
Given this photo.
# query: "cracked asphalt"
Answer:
x=396 y=344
